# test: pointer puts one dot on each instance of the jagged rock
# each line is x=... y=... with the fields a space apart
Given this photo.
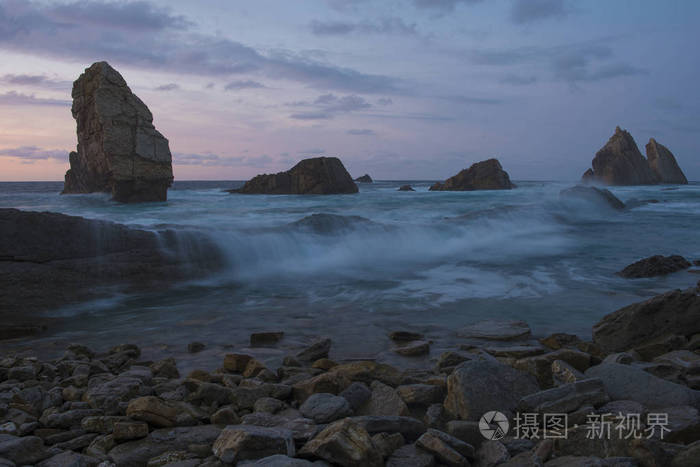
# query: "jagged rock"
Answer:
x=315 y=176
x=619 y=162
x=656 y=265
x=675 y=312
x=663 y=163
x=484 y=175
x=406 y=188
x=364 y=179
x=119 y=149
x=478 y=386
x=599 y=196
x=345 y=443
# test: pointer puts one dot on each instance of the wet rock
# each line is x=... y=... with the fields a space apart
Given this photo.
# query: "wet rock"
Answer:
x=656 y=265
x=410 y=456
x=345 y=443
x=409 y=427
x=387 y=443
x=484 y=175
x=566 y=398
x=23 y=451
x=242 y=442
x=324 y=364
x=421 y=394
x=659 y=346
x=435 y=416
x=367 y=371
x=541 y=365
x=279 y=460
x=496 y=330
x=236 y=363
x=152 y=410
x=663 y=164
x=71 y=459
x=332 y=383
x=448 y=361
x=406 y=188
x=315 y=351
x=629 y=383
x=108 y=395
x=515 y=351
x=318 y=176
x=126 y=431
x=478 y=386
x=325 y=408
x=405 y=336
x=593 y=195
x=265 y=339
x=119 y=149
x=466 y=431
x=166 y=368
x=356 y=394
x=688 y=456
x=383 y=401
x=448 y=449
x=268 y=405
x=619 y=162
x=563 y=373
x=683 y=424
x=70 y=418
x=413 y=349
x=225 y=416
x=100 y=424
x=77 y=443
x=195 y=347
x=675 y=312
x=364 y=179
x=173 y=459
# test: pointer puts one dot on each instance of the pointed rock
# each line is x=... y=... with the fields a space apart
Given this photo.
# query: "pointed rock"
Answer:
x=663 y=163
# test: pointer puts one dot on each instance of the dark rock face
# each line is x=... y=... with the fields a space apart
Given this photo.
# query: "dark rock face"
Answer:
x=664 y=164
x=119 y=149
x=594 y=195
x=675 y=312
x=484 y=175
x=326 y=224
x=656 y=265
x=364 y=179
x=315 y=176
x=406 y=188
x=619 y=162
x=50 y=259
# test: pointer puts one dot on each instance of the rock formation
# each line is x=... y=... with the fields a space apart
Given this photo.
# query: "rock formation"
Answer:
x=619 y=162
x=593 y=195
x=484 y=175
x=49 y=260
x=364 y=179
x=406 y=188
x=315 y=176
x=119 y=150
x=656 y=265
x=663 y=163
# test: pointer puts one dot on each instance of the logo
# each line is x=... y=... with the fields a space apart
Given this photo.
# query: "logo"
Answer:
x=493 y=425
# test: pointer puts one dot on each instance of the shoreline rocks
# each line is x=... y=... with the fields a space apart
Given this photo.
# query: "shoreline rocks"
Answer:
x=119 y=150
x=484 y=175
x=315 y=176
x=619 y=162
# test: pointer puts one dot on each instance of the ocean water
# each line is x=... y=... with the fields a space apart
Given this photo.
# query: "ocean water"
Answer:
x=425 y=261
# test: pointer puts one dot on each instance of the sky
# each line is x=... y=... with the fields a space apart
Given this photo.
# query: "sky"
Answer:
x=399 y=89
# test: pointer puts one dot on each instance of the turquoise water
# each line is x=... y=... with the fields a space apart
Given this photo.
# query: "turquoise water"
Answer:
x=428 y=261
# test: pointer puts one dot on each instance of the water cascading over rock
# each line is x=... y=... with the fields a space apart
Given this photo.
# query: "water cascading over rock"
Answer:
x=119 y=150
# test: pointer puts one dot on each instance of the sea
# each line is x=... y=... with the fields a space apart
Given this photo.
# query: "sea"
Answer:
x=359 y=266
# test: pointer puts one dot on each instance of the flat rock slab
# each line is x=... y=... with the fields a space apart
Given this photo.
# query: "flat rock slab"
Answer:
x=497 y=330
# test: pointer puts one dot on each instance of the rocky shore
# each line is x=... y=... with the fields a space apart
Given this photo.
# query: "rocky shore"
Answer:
x=111 y=408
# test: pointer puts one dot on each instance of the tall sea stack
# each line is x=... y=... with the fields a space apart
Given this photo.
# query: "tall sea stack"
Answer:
x=119 y=150
x=662 y=162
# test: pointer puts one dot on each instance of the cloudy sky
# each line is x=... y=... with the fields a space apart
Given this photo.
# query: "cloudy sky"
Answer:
x=400 y=89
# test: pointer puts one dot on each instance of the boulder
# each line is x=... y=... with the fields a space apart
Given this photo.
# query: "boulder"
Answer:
x=406 y=188
x=243 y=442
x=119 y=149
x=446 y=448
x=345 y=443
x=484 y=175
x=619 y=162
x=566 y=398
x=364 y=179
x=663 y=163
x=625 y=382
x=656 y=265
x=325 y=408
x=591 y=194
x=50 y=260
x=675 y=312
x=315 y=176
x=478 y=386
x=384 y=400
x=153 y=410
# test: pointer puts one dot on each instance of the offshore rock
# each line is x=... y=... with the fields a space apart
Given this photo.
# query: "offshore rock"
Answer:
x=484 y=175
x=663 y=163
x=315 y=176
x=619 y=162
x=364 y=179
x=593 y=195
x=119 y=150
x=656 y=265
